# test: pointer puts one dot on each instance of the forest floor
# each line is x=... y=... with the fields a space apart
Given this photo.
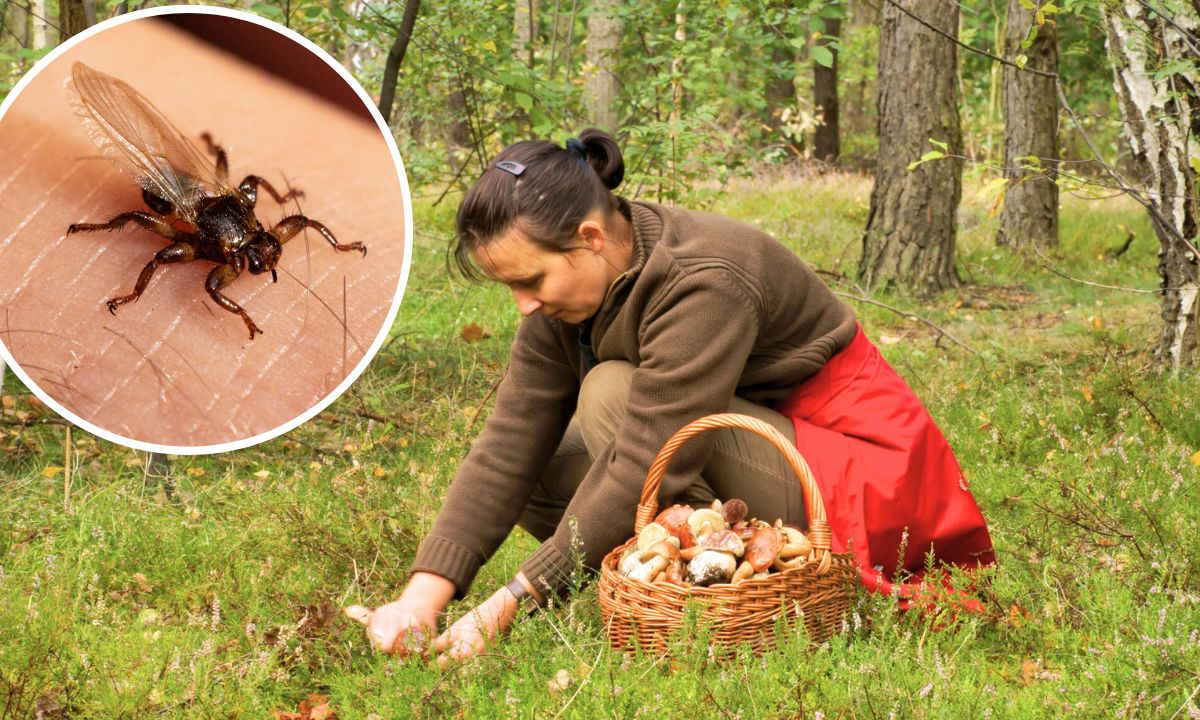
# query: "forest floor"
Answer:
x=218 y=592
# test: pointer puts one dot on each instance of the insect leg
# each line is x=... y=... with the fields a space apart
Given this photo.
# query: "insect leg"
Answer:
x=221 y=276
x=249 y=188
x=174 y=253
x=150 y=222
x=293 y=224
x=222 y=161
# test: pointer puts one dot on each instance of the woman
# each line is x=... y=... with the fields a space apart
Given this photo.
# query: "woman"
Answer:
x=638 y=319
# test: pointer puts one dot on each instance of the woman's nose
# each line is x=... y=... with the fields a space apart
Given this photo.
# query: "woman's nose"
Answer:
x=527 y=304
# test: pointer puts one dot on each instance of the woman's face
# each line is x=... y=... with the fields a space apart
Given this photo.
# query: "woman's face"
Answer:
x=567 y=286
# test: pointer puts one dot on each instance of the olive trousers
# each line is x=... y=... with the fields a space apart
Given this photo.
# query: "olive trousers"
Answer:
x=742 y=464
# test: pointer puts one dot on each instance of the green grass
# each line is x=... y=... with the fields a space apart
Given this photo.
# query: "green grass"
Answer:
x=218 y=594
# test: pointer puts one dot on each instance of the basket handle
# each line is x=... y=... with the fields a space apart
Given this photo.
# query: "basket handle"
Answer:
x=818 y=526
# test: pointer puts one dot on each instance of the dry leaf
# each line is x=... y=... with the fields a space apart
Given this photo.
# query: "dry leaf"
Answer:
x=473 y=333
x=1196 y=458
x=52 y=471
x=195 y=471
x=8 y=401
x=1087 y=392
x=263 y=474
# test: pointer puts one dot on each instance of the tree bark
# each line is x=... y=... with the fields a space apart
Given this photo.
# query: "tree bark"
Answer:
x=1162 y=121
x=525 y=16
x=826 y=141
x=41 y=28
x=19 y=24
x=601 y=88
x=781 y=89
x=1030 y=211
x=75 y=16
x=911 y=227
x=391 y=71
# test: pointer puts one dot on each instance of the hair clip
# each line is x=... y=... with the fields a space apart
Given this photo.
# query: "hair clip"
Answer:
x=512 y=168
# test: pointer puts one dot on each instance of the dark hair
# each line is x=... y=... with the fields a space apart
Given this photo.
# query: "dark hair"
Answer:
x=547 y=200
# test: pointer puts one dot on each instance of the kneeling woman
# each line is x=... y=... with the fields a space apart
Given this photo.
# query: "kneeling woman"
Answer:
x=638 y=319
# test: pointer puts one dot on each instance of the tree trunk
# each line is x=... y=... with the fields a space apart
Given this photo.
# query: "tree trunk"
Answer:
x=1030 y=213
x=781 y=89
x=19 y=23
x=1162 y=121
x=525 y=16
x=826 y=143
x=603 y=45
x=910 y=234
x=855 y=109
x=391 y=71
x=41 y=28
x=75 y=16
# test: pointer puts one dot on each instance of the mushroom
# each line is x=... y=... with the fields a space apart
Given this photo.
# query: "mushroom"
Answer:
x=630 y=561
x=674 y=519
x=658 y=557
x=717 y=559
x=761 y=550
x=704 y=521
x=734 y=511
x=711 y=567
x=795 y=550
x=651 y=534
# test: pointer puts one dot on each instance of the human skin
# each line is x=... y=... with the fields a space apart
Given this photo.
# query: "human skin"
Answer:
x=174 y=369
x=570 y=286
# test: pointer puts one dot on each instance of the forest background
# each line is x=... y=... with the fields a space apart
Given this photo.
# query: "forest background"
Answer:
x=1005 y=190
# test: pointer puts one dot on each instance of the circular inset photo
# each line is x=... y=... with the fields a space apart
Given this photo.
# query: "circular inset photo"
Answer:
x=204 y=230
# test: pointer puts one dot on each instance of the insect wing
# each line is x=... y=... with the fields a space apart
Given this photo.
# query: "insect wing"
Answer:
x=142 y=142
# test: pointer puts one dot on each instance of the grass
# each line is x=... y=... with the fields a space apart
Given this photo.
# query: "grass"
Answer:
x=217 y=592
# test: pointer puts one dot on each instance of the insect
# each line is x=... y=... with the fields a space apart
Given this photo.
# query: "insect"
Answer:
x=192 y=203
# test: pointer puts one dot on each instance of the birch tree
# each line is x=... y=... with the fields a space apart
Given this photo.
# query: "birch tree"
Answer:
x=601 y=87
x=1154 y=49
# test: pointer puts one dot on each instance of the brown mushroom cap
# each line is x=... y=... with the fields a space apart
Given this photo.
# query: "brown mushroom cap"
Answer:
x=734 y=510
x=674 y=519
x=725 y=541
x=763 y=547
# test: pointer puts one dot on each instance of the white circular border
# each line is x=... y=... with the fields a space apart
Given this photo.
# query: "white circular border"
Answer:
x=408 y=230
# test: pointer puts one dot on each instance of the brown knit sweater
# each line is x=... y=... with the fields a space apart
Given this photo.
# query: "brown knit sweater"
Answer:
x=710 y=308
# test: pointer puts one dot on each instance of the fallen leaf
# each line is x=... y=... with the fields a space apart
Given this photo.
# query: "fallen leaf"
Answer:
x=262 y=474
x=473 y=333
x=195 y=471
x=8 y=401
x=52 y=471
x=1196 y=458
x=1087 y=392
x=886 y=339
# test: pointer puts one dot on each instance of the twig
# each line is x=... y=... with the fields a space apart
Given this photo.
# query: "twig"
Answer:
x=1062 y=274
x=911 y=316
x=67 y=471
x=485 y=399
x=960 y=43
x=1125 y=247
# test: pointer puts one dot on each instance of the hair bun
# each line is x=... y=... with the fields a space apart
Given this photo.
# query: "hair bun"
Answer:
x=604 y=155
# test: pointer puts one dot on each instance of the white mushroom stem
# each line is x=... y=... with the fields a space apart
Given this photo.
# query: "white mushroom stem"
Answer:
x=649 y=569
x=744 y=571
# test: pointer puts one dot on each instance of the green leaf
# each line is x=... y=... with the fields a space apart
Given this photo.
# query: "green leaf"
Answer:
x=267 y=10
x=822 y=56
x=1049 y=8
x=1020 y=60
x=939 y=144
x=524 y=101
x=931 y=155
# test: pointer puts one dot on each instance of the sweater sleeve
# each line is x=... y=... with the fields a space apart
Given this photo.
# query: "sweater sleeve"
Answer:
x=694 y=347
x=534 y=404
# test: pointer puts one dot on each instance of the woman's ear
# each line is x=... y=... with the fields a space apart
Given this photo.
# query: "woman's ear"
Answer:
x=592 y=234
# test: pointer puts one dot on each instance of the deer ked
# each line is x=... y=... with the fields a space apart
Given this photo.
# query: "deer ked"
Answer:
x=192 y=203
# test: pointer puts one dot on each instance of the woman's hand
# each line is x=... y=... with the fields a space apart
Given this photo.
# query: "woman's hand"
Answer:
x=409 y=624
x=471 y=634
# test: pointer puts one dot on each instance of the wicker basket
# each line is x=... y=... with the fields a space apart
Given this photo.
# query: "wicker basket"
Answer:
x=644 y=614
